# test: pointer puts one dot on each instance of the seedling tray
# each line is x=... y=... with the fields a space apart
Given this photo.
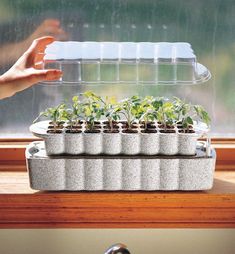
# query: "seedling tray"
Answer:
x=113 y=173
x=117 y=143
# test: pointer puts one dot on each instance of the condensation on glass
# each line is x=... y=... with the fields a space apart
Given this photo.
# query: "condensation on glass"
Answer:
x=210 y=31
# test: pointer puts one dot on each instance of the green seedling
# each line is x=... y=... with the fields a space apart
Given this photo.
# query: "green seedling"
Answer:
x=75 y=114
x=130 y=109
x=91 y=109
x=54 y=114
x=92 y=112
x=111 y=111
x=202 y=114
x=147 y=111
x=166 y=114
x=187 y=113
x=184 y=114
x=91 y=97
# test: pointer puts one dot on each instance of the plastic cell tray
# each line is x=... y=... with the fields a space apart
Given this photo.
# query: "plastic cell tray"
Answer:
x=113 y=173
x=118 y=143
x=148 y=63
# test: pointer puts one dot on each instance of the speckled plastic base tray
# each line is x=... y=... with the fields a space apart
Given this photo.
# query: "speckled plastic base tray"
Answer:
x=118 y=143
x=112 y=173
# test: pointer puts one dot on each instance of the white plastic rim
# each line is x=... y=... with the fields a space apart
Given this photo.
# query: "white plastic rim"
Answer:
x=91 y=50
x=71 y=50
x=183 y=50
x=163 y=52
x=39 y=129
x=109 y=51
x=128 y=50
x=201 y=128
x=146 y=50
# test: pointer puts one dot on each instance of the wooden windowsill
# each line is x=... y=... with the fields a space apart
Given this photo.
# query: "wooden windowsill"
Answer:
x=22 y=207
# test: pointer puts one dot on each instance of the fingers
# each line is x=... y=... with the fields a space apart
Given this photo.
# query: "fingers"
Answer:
x=44 y=75
x=39 y=45
x=35 y=50
x=38 y=61
x=36 y=76
x=12 y=83
x=53 y=75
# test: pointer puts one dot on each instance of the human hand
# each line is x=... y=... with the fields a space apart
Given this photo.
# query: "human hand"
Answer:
x=10 y=52
x=25 y=73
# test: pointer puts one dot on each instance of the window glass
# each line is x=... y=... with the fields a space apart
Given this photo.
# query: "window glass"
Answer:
x=207 y=25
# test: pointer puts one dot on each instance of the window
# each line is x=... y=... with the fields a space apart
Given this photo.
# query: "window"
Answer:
x=207 y=25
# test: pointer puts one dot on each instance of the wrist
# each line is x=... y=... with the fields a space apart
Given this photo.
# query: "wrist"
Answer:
x=2 y=79
x=6 y=88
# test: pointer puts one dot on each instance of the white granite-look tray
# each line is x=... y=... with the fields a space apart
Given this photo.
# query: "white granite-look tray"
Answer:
x=118 y=143
x=113 y=173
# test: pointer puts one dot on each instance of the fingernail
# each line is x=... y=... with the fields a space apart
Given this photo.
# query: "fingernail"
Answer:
x=59 y=72
x=53 y=75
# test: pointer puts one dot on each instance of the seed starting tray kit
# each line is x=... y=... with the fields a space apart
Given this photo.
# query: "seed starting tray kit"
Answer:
x=81 y=161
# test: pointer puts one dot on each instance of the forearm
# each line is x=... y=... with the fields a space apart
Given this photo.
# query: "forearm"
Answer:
x=6 y=88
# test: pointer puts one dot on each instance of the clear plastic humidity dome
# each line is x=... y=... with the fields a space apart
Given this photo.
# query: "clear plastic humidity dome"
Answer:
x=125 y=62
